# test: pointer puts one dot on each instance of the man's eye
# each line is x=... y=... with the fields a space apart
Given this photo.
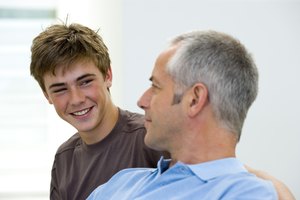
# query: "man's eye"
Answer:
x=154 y=86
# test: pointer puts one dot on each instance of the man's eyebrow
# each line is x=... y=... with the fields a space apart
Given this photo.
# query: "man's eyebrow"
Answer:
x=153 y=79
x=77 y=79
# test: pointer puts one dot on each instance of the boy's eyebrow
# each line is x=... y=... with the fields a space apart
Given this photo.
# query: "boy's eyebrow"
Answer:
x=77 y=79
x=56 y=85
x=84 y=76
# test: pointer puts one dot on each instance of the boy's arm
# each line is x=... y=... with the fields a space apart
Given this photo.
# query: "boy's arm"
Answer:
x=283 y=191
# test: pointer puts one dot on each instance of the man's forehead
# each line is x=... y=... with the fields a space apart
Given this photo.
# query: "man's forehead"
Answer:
x=160 y=67
x=165 y=55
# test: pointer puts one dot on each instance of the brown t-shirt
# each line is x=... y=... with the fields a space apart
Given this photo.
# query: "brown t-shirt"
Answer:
x=79 y=168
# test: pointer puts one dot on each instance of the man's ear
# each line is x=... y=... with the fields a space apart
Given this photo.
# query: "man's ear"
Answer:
x=198 y=97
x=47 y=97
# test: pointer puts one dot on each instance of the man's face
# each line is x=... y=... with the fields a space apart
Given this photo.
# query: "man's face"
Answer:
x=162 y=117
x=79 y=94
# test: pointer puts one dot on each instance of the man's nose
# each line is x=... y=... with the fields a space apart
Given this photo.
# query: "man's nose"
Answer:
x=144 y=100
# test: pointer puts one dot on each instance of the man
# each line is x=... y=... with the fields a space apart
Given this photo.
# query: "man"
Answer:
x=202 y=87
x=72 y=66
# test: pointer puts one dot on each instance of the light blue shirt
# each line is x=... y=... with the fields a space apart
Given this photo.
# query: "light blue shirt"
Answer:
x=219 y=179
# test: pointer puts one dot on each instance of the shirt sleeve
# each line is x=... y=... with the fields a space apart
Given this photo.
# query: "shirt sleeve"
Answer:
x=53 y=185
x=252 y=191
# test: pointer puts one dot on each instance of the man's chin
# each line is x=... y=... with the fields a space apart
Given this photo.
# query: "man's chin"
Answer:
x=152 y=144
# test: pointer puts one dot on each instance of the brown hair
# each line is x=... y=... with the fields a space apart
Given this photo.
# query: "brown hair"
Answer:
x=61 y=45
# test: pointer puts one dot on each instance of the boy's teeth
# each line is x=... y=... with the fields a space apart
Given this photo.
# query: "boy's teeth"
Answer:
x=81 y=112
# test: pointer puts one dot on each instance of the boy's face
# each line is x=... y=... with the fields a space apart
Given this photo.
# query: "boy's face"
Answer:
x=80 y=95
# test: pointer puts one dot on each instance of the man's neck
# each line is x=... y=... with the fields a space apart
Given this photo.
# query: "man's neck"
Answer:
x=204 y=149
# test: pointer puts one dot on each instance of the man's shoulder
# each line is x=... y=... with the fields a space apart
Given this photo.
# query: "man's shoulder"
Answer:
x=134 y=174
x=247 y=184
x=123 y=183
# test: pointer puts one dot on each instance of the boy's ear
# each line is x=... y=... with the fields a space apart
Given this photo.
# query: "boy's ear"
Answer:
x=108 y=78
x=47 y=97
x=198 y=96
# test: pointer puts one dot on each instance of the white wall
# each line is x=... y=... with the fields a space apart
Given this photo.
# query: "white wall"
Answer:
x=135 y=31
x=269 y=29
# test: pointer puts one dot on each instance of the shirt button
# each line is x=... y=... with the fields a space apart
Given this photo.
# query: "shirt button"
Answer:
x=182 y=169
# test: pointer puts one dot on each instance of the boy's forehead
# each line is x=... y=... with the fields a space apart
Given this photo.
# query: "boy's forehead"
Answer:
x=79 y=65
x=65 y=73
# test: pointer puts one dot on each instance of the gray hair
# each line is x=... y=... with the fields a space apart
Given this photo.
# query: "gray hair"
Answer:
x=223 y=64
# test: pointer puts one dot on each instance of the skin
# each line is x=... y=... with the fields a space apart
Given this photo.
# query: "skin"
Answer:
x=161 y=122
x=188 y=129
x=80 y=96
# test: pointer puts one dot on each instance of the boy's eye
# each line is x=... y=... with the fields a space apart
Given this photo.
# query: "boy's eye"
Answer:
x=59 y=90
x=85 y=82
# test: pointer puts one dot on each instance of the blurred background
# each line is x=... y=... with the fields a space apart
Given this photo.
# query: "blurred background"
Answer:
x=136 y=31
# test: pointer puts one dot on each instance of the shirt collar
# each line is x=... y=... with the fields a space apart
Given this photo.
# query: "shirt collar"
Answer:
x=212 y=169
x=163 y=165
x=207 y=170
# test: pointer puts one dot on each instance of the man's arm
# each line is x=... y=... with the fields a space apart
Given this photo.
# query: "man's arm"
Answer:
x=283 y=191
